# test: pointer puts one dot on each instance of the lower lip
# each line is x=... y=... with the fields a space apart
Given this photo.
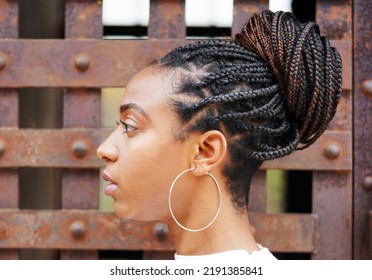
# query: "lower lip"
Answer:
x=110 y=189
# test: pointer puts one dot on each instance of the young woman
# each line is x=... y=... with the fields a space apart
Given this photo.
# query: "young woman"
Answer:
x=197 y=124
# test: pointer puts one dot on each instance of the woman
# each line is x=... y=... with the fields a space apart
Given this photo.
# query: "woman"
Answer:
x=198 y=123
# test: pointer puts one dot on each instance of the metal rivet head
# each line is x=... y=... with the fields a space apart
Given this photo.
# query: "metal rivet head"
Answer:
x=77 y=229
x=79 y=148
x=82 y=62
x=2 y=148
x=332 y=151
x=161 y=231
x=367 y=87
x=2 y=62
x=367 y=183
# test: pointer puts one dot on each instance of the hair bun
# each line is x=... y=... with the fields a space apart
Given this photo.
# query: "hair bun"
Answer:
x=307 y=68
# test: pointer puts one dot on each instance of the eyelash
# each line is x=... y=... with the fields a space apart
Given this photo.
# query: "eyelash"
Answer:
x=127 y=127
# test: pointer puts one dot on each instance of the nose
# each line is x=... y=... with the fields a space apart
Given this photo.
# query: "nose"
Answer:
x=107 y=151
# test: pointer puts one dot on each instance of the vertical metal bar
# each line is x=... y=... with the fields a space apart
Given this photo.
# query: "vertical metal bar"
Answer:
x=332 y=200
x=167 y=19
x=80 y=188
x=244 y=9
x=332 y=191
x=9 y=180
x=362 y=127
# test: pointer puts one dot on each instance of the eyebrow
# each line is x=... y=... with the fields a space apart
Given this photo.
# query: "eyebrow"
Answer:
x=135 y=107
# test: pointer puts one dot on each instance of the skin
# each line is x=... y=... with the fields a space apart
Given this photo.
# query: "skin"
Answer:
x=143 y=158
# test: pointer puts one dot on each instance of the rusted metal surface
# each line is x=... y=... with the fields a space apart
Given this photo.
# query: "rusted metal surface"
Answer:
x=362 y=126
x=167 y=19
x=332 y=201
x=112 y=63
x=9 y=180
x=244 y=9
x=43 y=151
x=80 y=188
x=82 y=19
x=335 y=18
x=98 y=230
x=8 y=19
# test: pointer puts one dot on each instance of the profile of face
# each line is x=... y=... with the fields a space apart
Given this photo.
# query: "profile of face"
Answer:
x=142 y=155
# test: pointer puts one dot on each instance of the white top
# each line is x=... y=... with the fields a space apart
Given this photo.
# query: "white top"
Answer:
x=258 y=255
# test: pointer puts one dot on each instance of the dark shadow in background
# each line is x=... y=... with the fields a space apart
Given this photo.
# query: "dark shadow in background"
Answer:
x=40 y=188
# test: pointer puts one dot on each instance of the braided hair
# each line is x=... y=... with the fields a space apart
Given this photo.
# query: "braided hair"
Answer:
x=271 y=90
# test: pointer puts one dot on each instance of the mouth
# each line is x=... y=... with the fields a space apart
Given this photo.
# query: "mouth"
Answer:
x=111 y=187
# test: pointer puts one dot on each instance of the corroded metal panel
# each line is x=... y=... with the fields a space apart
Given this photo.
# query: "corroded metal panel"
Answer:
x=77 y=149
x=90 y=229
x=167 y=19
x=362 y=127
x=93 y=63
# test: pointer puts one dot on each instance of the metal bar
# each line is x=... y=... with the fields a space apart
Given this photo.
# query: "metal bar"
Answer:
x=362 y=127
x=335 y=18
x=86 y=63
x=167 y=19
x=90 y=229
x=243 y=10
x=77 y=149
x=9 y=179
x=332 y=201
x=82 y=109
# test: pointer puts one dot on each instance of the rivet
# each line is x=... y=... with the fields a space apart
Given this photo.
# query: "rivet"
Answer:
x=2 y=148
x=77 y=229
x=161 y=231
x=367 y=87
x=2 y=62
x=79 y=148
x=2 y=229
x=332 y=151
x=367 y=182
x=82 y=62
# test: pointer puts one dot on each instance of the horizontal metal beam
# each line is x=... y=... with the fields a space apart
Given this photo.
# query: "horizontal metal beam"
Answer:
x=93 y=63
x=77 y=229
x=76 y=148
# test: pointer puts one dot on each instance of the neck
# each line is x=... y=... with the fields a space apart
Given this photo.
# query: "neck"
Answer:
x=230 y=231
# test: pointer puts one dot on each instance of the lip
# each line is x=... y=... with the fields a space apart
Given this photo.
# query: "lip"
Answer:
x=107 y=178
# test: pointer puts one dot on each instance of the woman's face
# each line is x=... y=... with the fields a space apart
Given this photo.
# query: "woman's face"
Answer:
x=142 y=156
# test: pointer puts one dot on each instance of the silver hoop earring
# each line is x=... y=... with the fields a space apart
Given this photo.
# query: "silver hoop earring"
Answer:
x=170 y=206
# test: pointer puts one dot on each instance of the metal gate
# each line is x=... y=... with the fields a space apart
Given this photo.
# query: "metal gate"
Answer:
x=340 y=225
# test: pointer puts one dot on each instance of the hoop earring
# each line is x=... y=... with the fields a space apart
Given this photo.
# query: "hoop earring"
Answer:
x=170 y=206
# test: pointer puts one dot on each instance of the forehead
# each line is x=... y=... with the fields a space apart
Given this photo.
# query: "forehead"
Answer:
x=148 y=86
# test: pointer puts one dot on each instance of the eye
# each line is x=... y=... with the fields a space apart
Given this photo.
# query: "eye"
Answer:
x=127 y=127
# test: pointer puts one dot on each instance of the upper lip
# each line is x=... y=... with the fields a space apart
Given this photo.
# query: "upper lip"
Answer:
x=107 y=178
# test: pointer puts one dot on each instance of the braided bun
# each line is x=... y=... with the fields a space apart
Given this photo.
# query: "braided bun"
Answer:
x=306 y=67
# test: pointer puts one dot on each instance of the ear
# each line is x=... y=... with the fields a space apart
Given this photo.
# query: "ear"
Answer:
x=209 y=152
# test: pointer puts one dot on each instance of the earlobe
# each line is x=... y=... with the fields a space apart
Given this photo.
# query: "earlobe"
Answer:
x=209 y=152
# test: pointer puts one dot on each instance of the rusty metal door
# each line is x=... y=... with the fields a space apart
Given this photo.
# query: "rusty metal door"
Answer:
x=340 y=223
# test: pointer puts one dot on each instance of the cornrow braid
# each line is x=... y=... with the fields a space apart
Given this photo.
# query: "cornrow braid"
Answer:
x=272 y=89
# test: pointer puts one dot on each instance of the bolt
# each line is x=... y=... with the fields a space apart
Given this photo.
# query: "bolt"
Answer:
x=367 y=182
x=2 y=62
x=367 y=87
x=77 y=229
x=332 y=151
x=79 y=148
x=161 y=231
x=82 y=62
x=2 y=148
